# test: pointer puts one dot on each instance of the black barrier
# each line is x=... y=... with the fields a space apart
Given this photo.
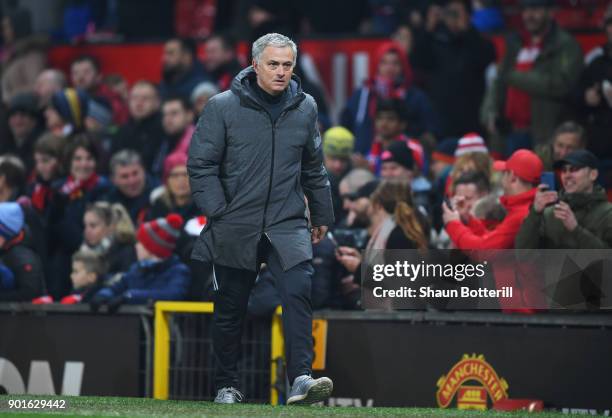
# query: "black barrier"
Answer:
x=67 y=350
x=468 y=360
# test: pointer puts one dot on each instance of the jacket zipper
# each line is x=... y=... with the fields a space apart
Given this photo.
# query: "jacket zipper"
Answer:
x=263 y=223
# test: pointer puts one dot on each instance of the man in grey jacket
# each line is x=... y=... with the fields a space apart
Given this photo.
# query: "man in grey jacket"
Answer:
x=256 y=153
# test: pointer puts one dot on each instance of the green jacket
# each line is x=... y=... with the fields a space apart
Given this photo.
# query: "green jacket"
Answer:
x=554 y=73
x=594 y=231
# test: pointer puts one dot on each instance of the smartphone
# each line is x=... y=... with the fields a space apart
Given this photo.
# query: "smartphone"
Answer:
x=548 y=179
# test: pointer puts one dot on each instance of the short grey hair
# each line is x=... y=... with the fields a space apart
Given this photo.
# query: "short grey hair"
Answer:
x=124 y=158
x=272 y=39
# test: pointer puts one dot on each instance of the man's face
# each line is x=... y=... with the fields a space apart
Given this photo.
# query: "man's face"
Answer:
x=564 y=144
x=456 y=17
x=393 y=170
x=173 y=56
x=536 y=19
x=143 y=101
x=390 y=66
x=84 y=75
x=388 y=125
x=578 y=180
x=22 y=124
x=130 y=179
x=274 y=69
x=336 y=166
x=45 y=86
x=469 y=192
x=175 y=118
x=216 y=55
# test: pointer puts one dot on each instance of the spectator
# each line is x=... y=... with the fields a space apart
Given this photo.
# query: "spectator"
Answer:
x=21 y=273
x=349 y=186
x=12 y=178
x=110 y=234
x=453 y=57
x=520 y=174
x=390 y=124
x=593 y=99
x=358 y=205
x=88 y=270
x=442 y=160
x=158 y=274
x=338 y=143
x=48 y=168
x=85 y=75
x=398 y=163
x=536 y=74
x=468 y=189
x=48 y=83
x=119 y=85
x=131 y=186
x=23 y=57
x=182 y=70
x=580 y=216
x=394 y=224
x=393 y=79
x=220 y=60
x=201 y=93
x=72 y=195
x=144 y=132
x=568 y=137
x=25 y=123
x=177 y=120
x=67 y=111
x=175 y=197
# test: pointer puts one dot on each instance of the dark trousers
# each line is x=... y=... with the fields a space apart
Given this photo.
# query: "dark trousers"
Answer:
x=231 y=300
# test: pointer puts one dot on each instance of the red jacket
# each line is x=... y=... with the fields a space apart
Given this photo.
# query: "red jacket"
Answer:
x=475 y=236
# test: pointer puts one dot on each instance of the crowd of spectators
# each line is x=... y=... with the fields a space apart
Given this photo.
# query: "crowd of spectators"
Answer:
x=445 y=146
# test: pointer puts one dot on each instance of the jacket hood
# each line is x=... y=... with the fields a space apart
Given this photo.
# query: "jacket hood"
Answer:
x=391 y=46
x=241 y=86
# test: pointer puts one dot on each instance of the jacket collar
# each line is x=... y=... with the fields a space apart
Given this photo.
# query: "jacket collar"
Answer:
x=580 y=200
x=241 y=86
x=521 y=199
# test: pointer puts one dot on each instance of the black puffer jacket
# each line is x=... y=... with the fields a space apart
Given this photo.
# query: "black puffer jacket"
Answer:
x=249 y=176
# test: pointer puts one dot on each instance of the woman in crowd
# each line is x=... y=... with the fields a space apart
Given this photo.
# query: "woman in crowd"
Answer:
x=110 y=233
x=71 y=196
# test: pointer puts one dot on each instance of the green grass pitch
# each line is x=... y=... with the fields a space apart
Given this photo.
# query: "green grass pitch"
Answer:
x=90 y=406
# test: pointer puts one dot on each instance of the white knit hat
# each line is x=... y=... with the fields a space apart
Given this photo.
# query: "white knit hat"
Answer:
x=471 y=142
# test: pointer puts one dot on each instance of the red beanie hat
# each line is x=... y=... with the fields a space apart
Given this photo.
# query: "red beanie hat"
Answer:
x=160 y=235
x=173 y=160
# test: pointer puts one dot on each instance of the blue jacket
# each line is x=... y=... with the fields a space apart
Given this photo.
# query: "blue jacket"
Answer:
x=164 y=280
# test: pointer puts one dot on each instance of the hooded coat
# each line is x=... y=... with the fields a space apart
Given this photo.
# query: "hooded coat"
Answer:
x=249 y=175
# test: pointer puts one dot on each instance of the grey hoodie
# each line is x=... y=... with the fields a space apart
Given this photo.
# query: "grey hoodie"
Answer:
x=249 y=176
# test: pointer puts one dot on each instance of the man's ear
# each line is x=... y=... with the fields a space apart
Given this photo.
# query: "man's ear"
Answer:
x=593 y=174
x=254 y=64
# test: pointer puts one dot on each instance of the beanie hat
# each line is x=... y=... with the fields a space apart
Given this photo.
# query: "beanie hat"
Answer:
x=471 y=142
x=160 y=235
x=26 y=103
x=445 y=151
x=72 y=105
x=100 y=112
x=338 y=142
x=398 y=152
x=174 y=160
x=11 y=220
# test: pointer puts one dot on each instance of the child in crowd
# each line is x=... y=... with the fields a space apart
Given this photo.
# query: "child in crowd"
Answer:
x=158 y=274
x=88 y=270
